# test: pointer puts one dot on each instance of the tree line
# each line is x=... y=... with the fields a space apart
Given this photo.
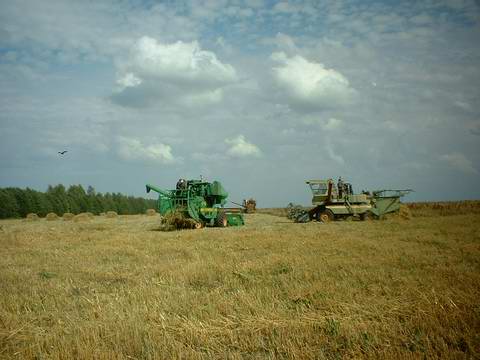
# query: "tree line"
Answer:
x=16 y=202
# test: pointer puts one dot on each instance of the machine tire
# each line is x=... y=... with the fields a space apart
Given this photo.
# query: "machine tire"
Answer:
x=367 y=215
x=326 y=216
x=221 y=220
x=199 y=225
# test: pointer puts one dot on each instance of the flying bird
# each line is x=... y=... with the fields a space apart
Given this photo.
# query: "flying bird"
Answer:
x=62 y=152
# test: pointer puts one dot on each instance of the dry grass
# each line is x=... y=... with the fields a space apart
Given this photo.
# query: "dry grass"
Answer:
x=270 y=289
x=273 y=211
x=405 y=213
x=445 y=208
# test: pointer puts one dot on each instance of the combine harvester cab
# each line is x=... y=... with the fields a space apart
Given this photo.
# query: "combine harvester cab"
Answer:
x=198 y=200
x=333 y=202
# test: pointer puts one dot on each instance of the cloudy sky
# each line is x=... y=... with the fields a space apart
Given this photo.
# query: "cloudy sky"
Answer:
x=258 y=94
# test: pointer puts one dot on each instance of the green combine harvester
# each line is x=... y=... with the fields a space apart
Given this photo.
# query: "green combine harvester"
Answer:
x=332 y=202
x=201 y=201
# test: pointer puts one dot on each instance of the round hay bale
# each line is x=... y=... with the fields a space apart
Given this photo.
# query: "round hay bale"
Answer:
x=111 y=214
x=32 y=217
x=81 y=217
x=90 y=215
x=150 y=212
x=68 y=216
x=51 y=217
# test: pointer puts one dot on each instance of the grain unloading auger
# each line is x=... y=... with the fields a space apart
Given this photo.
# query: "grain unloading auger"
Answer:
x=198 y=200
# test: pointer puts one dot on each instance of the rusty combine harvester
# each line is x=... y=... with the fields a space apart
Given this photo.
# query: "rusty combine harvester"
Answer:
x=332 y=202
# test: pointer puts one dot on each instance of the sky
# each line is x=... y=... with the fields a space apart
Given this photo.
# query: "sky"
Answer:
x=258 y=94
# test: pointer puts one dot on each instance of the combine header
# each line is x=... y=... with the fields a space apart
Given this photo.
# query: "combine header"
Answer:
x=201 y=201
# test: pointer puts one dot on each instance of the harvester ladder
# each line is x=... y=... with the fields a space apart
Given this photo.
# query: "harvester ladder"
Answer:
x=348 y=205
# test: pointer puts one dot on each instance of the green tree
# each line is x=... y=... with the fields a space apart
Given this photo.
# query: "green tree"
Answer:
x=8 y=204
x=15 y=202
x=77 y=199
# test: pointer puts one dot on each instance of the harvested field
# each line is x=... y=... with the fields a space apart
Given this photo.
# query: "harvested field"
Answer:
x=270 y=289
x=444 y=208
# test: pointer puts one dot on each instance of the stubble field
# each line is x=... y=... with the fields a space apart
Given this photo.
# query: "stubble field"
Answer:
x=117 y=288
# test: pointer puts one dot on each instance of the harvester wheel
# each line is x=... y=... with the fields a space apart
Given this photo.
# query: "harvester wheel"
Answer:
x=199 y=225
x=367 y=215
x=221 y=220
x=326 y=216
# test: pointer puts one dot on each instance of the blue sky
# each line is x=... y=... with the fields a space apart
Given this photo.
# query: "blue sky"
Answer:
x=260 y=95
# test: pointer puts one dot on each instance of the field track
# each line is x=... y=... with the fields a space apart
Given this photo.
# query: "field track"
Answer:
x=117 y=288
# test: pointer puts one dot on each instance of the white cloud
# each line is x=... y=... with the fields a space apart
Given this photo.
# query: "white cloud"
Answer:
x=133 y=149
x=460 y=162
x=474 y=128
x=255 y=3
x=178 y=61
x=284 y=7
x=128 y=80
x=421 y=19
x=285 y=42
x=463 y=105
x=309 y=85
x=204 y=98
x=179 y=72
x=333 y=155
x=239 y=147
x=332 y=124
